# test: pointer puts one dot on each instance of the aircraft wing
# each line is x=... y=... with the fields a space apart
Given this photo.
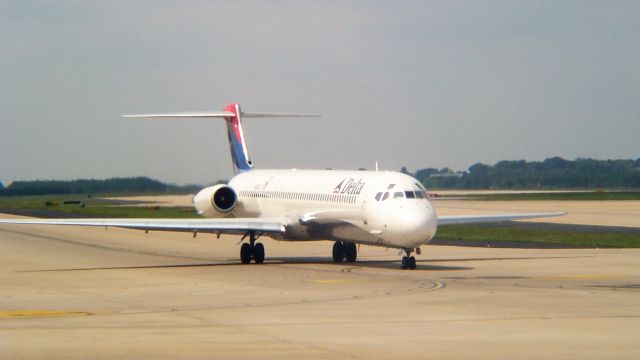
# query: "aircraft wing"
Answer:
x=226 y=225
x=472 y=219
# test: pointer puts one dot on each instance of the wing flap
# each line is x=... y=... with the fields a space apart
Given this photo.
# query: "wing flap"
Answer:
x=473 y=219
x=328 y=216
x=191 y=225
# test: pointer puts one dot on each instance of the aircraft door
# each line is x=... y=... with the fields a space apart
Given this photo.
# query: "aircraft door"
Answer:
x=363 y=209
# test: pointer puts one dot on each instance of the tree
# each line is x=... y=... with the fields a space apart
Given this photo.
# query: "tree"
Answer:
x=114 y=185
x=554 y=172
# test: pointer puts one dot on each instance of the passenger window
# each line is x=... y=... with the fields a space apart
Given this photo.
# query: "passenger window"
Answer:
x=398 y=195
x=409 y=194
x=378 y=196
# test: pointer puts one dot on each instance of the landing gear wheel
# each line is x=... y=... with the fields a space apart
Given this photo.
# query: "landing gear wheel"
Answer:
x=258 y=253
x=246 y=251
x=408 y=261
x=412 y=263
x=338 y=251
x=350 y=252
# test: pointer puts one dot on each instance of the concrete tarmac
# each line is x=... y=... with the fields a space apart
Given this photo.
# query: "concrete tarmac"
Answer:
x=69 y=292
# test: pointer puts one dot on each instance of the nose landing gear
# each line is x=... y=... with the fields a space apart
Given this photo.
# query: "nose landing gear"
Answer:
x=252 y=250
x=408 y=261
x=344 y=250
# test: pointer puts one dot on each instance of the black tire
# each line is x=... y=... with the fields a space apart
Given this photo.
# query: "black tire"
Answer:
x=338 y=251
x=412 y=263
x=246 y=253
x=258 y=253
x=350 y=252
x=405 y=263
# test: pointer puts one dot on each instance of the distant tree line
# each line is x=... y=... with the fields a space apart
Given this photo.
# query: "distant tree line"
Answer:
x=114 y=185
x=551 y=173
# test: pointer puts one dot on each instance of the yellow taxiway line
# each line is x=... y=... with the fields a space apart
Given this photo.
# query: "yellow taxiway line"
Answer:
x=40 y=313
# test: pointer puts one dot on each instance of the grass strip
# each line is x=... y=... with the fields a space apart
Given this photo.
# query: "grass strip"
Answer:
x=93 y=207
x=515 y=234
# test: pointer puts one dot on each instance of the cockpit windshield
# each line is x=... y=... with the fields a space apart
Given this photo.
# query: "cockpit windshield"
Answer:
x=400 y=195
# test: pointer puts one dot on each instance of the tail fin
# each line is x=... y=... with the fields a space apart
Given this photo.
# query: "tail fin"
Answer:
x=232 y=116
x=237 y=144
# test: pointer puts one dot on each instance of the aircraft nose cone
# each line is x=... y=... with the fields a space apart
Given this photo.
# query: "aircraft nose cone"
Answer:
x=420 y=224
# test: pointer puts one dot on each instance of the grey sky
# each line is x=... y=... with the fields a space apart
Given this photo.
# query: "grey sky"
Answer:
x=424 y=83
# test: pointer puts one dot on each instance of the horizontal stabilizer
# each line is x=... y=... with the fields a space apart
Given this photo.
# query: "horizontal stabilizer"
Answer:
x=232 y=116
x=266 y=114
x=219 y=114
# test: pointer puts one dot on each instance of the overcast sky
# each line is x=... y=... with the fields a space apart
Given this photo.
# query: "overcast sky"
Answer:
x=405 y=83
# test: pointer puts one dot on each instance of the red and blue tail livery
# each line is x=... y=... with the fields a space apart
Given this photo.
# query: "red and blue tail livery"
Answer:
x=237 y=144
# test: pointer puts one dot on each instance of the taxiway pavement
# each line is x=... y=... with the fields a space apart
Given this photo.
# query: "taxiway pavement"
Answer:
x=68 y=292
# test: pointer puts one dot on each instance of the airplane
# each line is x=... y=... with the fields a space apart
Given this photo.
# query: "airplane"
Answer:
x=378 y=208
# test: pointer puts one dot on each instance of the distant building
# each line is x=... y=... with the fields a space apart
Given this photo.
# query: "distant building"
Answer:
x=457 y=174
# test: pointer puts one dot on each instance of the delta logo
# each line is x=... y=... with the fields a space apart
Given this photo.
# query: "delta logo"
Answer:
x=349 y=186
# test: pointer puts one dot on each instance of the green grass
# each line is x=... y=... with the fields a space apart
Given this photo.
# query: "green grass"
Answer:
x=515 y=234
x=93 y=207
x=595 y=195
x=132 y=211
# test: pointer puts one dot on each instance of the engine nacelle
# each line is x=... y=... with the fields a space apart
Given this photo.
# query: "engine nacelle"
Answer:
x=215 y=201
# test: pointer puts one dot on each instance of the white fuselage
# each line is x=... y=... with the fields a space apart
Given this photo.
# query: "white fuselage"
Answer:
x=387 y=209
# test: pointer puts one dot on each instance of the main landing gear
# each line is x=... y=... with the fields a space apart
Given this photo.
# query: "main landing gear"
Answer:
x=344 y=250
x=252 y=250
x=408 y=261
